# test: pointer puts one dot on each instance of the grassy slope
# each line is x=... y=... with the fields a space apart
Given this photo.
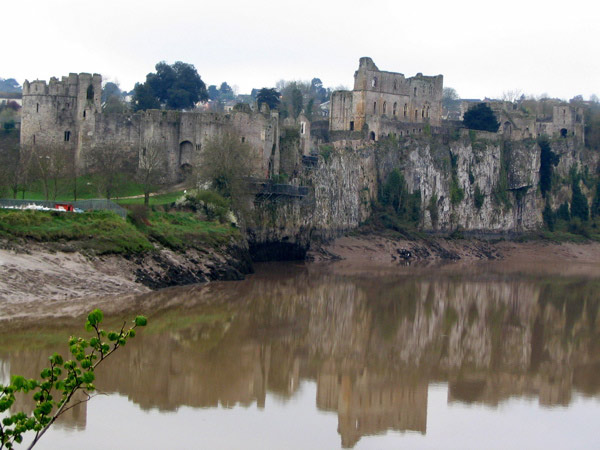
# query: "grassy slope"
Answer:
x=103 y=232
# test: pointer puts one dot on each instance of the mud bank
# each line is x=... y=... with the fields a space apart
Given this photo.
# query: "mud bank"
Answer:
x=33 y=271
x=381 y=250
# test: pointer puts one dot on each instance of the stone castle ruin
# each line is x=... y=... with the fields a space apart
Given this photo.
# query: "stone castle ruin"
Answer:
x=384 y=103
x=68 y=113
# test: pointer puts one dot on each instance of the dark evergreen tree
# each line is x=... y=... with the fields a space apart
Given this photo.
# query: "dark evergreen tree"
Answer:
x=579 y=204
x=176 y=86
x=268 y=96
x=481 y=117
x=595 y=210
x=143 y=98
x=562 y=213
x=548 y=160
x=549 y=217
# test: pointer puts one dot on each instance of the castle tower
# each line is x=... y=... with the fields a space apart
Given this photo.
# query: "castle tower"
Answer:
x=61 y=112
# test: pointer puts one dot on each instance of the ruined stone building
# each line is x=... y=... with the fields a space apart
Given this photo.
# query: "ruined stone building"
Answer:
x=518 y=121
x=384 y=103
x=68 y=113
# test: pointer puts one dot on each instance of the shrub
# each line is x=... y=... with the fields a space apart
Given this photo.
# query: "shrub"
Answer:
x=548 y=159
x=549 y=216
x=481 y=117
x=579 y=204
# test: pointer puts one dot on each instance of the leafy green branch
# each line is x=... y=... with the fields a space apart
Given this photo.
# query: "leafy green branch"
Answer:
x=58 y=383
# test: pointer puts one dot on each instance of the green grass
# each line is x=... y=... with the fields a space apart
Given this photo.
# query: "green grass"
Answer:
x=181 y=230
x=103 y=232
x=161 y=199
x=99 y=231
x=88 y=186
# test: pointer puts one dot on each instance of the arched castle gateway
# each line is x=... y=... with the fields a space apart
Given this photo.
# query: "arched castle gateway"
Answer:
x=68 y=113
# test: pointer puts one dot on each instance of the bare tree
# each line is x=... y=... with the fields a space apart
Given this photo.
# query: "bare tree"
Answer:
x=50 y=163
x=512 y=95
x=108 y=160
x=225 y=164
x=152 y=165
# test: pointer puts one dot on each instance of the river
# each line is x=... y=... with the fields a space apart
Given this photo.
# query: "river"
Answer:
x=310 y=356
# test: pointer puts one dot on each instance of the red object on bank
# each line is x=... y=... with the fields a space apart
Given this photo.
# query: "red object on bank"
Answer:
x=64 y=206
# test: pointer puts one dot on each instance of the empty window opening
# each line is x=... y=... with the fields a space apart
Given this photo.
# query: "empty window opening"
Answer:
x=302 y=127
x=84 y=114
x=372 y=135
x=67 y=136
x=563 y=132
x=401 y=134
x=34 y=139
x=384 y=107
x=395 y=110
x=198 y=146
x=416 y=114
x=243 y=139
x=37 y=107
x=374 y=82
x=352 y=125
x=144 y=152
x=423 y=113
x=90 y=92
x=395 y=85
x=374 y=107
x=415 y=92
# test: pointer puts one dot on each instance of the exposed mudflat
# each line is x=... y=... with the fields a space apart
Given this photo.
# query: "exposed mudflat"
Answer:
x=33 y=273
x=361 y=251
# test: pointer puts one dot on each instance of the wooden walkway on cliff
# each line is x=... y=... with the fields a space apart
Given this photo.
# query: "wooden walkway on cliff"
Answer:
x=266 y=188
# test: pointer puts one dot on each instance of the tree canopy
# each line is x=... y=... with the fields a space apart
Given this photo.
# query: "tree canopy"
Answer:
x=269 y=96
x=175 y=86
x=10 y=85
x=481 y=117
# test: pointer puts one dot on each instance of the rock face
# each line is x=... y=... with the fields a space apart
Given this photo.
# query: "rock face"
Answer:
x=473 y=181
x=341 y=188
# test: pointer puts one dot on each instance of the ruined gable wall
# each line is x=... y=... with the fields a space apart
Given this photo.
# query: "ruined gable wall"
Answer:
x=387 y=95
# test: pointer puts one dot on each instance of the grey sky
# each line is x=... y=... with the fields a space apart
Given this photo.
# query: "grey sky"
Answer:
x=481 y=48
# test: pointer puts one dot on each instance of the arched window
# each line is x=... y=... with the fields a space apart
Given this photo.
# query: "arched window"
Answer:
x=405 y=110
x=374 y=107
x=374 y=82
x=384 y=107
x=415 y=92
x=423 y=113
x=395 y=84
x=416 y=114
x=372 y=135
x=90 y=92
x=395 y=109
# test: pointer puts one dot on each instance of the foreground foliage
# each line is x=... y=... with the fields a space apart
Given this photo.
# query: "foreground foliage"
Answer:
x=59 y=382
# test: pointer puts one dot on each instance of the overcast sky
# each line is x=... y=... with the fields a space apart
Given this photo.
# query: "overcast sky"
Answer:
x=482 y=48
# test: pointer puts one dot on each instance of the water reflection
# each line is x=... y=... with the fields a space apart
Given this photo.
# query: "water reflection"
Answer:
x=372 y=343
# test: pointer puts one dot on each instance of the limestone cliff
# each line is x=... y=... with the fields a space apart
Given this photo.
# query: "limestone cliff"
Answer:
x=474 y=181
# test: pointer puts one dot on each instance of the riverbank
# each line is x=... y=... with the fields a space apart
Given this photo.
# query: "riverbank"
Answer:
x=31 y=271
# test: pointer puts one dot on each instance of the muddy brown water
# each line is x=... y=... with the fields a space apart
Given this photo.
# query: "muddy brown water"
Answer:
x=336 y=356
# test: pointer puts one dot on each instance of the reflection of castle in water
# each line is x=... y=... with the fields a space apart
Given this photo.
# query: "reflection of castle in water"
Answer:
x=372 y=344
